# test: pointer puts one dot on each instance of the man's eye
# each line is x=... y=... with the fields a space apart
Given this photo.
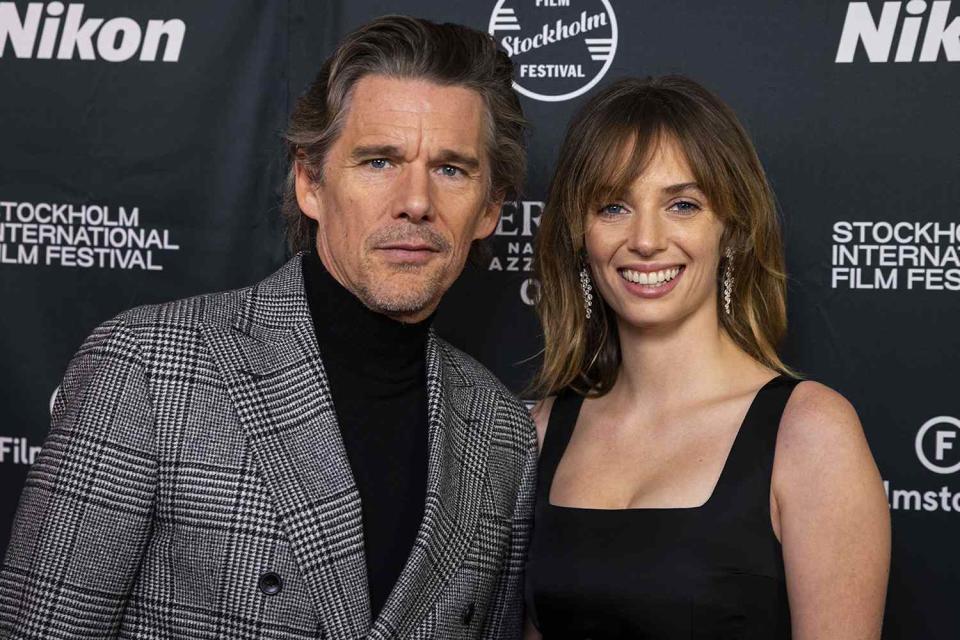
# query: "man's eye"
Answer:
x=611 y=209
x=450 y=171
x=683 y=206
x=378 y=163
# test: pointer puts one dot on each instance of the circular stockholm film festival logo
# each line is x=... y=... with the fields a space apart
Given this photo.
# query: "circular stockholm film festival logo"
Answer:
x=560 y=48
x=938 y=444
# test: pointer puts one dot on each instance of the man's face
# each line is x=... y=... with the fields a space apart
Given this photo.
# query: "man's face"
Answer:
x=404 y=192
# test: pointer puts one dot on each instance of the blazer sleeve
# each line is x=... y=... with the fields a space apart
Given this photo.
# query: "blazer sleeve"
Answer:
x=85 y=513
x=505 y=619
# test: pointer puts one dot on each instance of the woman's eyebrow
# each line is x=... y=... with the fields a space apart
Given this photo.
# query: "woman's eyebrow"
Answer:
x=680 y=187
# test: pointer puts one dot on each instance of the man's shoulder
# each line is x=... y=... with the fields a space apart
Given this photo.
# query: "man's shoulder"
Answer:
x=472 y=372
x=217 y=309
x=161 y=333
x=477 y=375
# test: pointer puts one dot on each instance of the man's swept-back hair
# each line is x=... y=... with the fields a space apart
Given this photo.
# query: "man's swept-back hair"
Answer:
x=406 y=48
x=627 y=121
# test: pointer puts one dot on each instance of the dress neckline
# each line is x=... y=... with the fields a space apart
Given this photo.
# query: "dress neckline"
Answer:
x=724 y=471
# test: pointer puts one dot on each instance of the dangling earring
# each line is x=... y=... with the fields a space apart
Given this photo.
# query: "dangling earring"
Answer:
x=587 y=291
x=728 y=280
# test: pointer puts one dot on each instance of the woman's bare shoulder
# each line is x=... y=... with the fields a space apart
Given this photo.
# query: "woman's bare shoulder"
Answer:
x=821 y=439
x=833 y=517
x=816 y=415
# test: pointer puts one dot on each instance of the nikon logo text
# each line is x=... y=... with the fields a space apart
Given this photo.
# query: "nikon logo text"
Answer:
x=878 y=34
x=37 y=34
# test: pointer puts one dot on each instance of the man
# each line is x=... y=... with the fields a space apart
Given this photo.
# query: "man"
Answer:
x=304 y=458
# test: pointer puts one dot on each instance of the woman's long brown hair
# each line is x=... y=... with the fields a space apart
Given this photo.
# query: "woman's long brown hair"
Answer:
x=627 y=120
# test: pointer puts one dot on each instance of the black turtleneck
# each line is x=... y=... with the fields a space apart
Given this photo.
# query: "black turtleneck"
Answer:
x=376 y=368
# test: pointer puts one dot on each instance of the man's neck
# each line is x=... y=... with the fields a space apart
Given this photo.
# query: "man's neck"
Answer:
x=349 y=331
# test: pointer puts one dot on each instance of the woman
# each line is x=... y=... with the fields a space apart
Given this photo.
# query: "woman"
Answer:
x=690 y=485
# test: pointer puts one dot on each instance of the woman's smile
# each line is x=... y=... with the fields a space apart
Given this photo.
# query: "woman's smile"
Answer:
x=648 y=283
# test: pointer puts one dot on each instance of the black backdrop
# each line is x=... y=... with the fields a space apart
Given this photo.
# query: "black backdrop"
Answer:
x=140 y=161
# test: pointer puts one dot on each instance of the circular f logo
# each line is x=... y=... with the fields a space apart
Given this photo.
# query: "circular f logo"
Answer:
x=560 y=48
x=938 y=444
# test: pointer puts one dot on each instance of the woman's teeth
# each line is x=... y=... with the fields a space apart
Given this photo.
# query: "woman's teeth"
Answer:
x=650 y=278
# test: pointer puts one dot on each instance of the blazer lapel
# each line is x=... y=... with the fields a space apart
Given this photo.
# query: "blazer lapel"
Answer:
x=272 y=368
x=460 y=423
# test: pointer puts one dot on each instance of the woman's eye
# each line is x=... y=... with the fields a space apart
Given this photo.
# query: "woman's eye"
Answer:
x=684 y=207
x=611 y=209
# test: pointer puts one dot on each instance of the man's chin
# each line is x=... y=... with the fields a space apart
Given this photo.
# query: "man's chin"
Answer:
x=405 y=303
x=403 y=291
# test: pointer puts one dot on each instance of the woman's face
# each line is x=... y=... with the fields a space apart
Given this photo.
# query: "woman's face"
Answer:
x=655 y=250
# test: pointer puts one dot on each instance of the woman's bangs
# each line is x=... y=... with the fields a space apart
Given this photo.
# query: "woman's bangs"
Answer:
x=625 y=154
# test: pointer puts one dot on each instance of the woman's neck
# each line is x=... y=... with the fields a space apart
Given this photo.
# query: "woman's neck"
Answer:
x=692 y=358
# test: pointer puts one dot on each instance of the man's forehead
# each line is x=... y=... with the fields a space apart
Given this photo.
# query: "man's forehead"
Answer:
x=402 y=107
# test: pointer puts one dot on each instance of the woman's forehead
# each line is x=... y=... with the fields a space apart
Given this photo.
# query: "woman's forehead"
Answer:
x=657 y=157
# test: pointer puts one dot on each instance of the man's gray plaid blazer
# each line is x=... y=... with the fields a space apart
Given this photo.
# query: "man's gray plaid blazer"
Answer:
x=194 y=449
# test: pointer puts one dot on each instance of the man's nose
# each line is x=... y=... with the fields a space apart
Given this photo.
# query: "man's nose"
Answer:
x=414 y=199
x=647 y=234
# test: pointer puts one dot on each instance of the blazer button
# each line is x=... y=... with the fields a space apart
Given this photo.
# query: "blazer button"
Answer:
x=270 y=583
x=467 y=616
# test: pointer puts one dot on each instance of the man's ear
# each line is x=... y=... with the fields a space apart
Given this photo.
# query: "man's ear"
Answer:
x=307 y=190
x=489 y=218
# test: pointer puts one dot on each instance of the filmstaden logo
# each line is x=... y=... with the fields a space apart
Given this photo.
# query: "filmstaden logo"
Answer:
x=17 y=450
x=937 y=446
x=940 y=437
x=877 y=34
x=560 y=48
x=36 y=33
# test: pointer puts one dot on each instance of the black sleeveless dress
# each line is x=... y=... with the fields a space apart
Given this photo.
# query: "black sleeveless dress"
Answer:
x=714 y=571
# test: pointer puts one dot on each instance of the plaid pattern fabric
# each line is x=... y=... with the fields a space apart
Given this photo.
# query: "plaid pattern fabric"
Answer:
x=194 y=448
